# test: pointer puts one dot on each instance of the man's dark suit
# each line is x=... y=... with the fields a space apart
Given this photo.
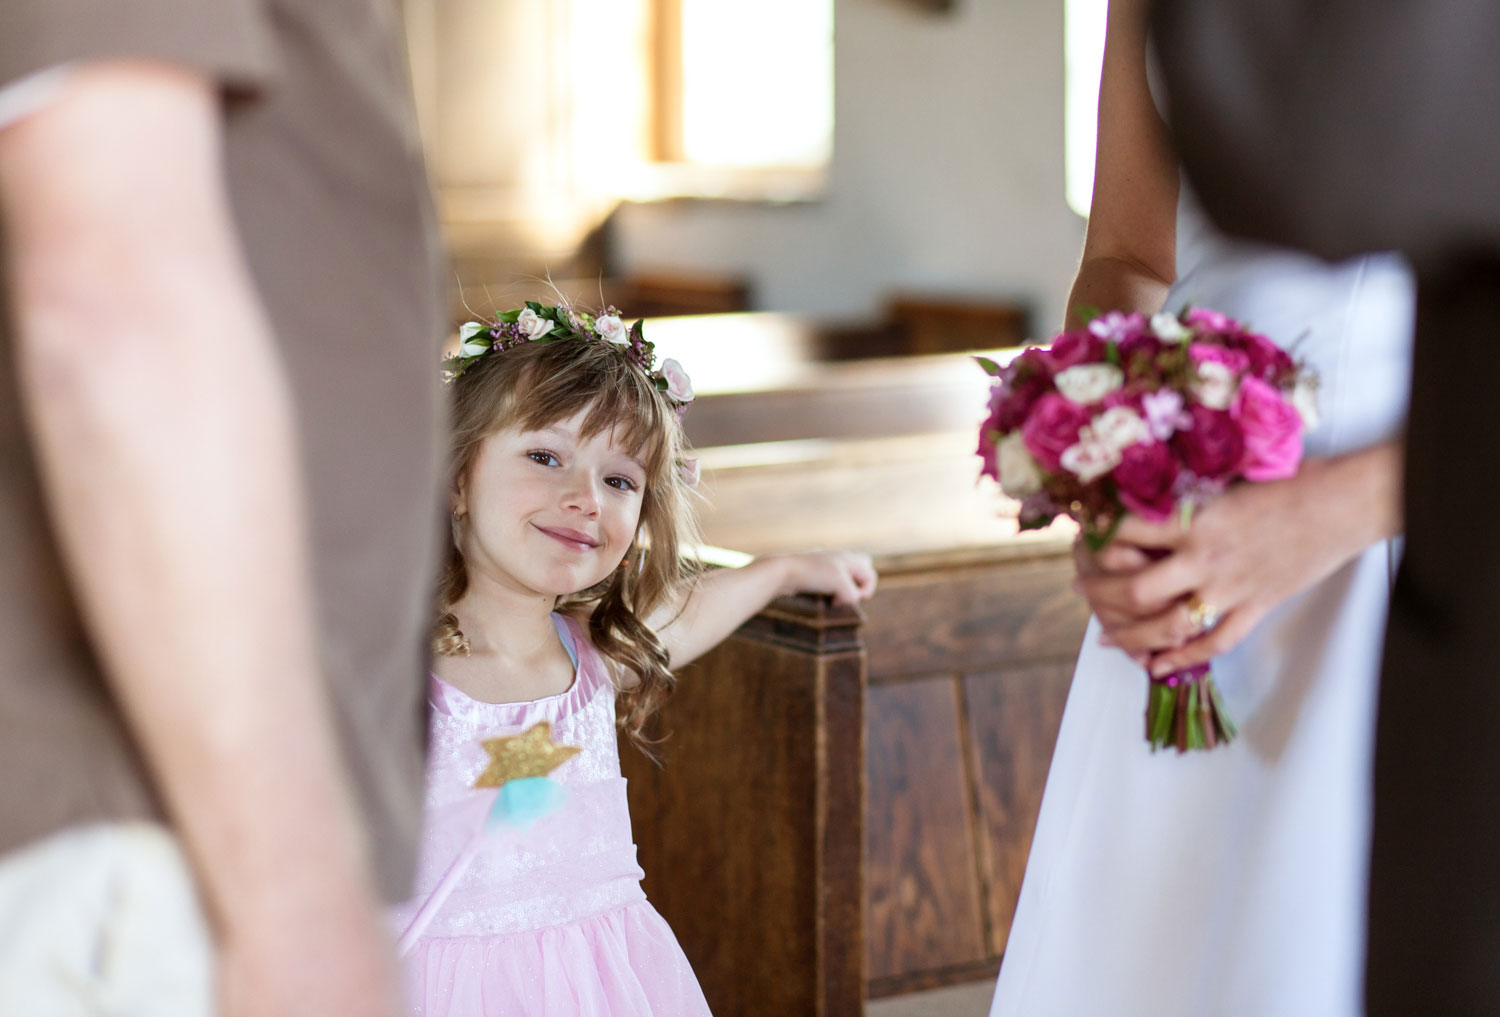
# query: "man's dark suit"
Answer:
x=1350 y=125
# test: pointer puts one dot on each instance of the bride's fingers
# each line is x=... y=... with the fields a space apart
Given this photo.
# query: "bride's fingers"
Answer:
x=1144 y=593
x=1115 y=557
x=1165 y=630
x=1225 y=637
x=1162 y=536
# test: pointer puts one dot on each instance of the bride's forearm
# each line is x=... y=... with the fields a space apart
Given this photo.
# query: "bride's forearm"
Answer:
x=1358 y=494
x=1109 y=283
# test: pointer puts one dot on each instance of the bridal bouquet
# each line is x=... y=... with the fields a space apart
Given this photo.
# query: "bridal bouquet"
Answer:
x=1150 y=416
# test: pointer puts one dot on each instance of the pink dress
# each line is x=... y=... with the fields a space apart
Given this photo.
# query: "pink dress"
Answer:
x=549 y=921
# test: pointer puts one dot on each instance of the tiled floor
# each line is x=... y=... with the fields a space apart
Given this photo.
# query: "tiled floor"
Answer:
x=955 y=1001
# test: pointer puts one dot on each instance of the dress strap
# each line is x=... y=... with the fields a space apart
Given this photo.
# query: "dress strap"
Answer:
x=592 y=670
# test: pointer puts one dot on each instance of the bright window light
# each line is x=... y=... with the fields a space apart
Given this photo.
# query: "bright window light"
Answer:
x=1084 y=42
x=757 y=83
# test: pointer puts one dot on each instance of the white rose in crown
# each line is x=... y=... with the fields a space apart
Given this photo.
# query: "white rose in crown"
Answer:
x=1088 y=383
x=533 y=325
x=1090 y=459
x=467 y=347
x=611 y=329
x=1019 y=474
x=1120 y=428
x=679 y=385
x=1215 y=385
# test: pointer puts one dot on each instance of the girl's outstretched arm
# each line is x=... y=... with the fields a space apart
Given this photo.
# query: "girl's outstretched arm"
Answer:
x=726 y=598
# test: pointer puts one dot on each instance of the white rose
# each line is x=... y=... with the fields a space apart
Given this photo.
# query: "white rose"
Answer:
x=1215 y=385
x=1019 y=473
x=1088 y=383
x=467 y=347
x=1090 y=458
x=1305 y=402
x=679 y=385
x=533 y=325
x=1167 y=328
x=1120 y=428
x=612 y=329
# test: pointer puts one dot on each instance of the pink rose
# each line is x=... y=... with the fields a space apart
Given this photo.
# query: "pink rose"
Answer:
x=1213 y=446
x=1052 y=427
x=1071 y=349
x=1272 y=428
x=1202 y=319
x=689 y=471
x=679 y=385
x=1145 y=480
x=1235 y=360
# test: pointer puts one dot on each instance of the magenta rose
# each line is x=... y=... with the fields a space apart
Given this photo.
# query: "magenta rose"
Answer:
x=1272 y=428
x=1136 y=346
x=1071 y=349
x=1145 y=480
x=1213 y=446
x=1011 y=404
x=1267 y=360
x=1052 y=428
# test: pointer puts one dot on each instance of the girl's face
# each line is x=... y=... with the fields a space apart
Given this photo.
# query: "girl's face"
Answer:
x=548 y=512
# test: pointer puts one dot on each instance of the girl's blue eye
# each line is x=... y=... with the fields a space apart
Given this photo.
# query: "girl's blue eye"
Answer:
x=543 y=457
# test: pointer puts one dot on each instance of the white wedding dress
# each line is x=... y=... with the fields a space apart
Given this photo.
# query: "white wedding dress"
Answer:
x=1231 y=883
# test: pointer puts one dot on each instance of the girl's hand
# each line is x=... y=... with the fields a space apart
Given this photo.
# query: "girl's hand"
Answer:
x=1245 y=552
x=848 y=575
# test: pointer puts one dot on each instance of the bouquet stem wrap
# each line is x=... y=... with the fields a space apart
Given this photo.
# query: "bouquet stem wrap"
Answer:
x=1185 y=710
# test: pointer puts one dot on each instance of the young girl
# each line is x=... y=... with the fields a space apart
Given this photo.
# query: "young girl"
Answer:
x=564 y=594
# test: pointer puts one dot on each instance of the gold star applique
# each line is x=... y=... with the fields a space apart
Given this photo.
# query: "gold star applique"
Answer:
x=532 y=753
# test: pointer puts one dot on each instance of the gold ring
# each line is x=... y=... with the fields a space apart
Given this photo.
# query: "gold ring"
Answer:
x=1204 y=616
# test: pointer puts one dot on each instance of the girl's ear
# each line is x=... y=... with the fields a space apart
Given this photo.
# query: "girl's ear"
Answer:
x=458 y=502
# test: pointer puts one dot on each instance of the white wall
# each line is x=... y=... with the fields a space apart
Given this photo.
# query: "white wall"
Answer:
x=947 y=173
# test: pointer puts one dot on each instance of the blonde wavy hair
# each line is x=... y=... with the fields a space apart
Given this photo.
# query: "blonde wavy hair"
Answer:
x=531 y=387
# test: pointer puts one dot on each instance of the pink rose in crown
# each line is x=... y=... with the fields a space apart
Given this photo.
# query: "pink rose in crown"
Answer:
x=679 y=385
x=1272 y=428
x=1052 y=428
x=1146 y=479
x=1213 y=446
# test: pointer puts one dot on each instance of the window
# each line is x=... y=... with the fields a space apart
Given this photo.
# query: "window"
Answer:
x=1084 y=49
x=743 y=92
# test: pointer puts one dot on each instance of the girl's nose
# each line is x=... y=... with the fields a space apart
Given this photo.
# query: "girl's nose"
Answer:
x=583 y=496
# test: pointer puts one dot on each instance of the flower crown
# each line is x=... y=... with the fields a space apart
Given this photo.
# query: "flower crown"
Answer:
x=544 y=323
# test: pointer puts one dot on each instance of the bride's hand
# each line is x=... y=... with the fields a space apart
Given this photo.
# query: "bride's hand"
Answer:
x=1244 y=553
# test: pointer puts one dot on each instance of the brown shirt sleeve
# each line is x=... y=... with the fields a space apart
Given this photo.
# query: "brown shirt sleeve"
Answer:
x=227 y=40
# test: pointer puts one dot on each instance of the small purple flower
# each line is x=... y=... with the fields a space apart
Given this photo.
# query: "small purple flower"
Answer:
x=1116 y=327
x=1164 y=413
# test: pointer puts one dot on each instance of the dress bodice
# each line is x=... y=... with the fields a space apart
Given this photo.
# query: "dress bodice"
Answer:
x=578 y=861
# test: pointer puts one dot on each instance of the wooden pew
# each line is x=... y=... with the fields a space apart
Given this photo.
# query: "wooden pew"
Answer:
x=958 y=671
